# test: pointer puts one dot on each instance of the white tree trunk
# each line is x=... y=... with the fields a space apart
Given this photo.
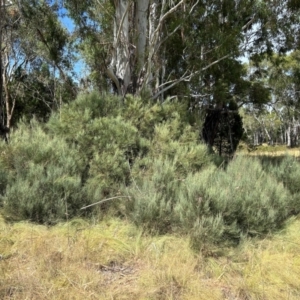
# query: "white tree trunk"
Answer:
x=152 y=41
x=119 y=70
x=288 y=136
x=122 y=43
x=136 y=56
x=141 y=22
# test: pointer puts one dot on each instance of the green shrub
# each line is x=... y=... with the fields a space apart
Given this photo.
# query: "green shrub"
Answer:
x=105 y=140
x=181 y=147
x=99 y=105
x=212 y=205
x=97 y=145
x=96 y=148
x=287 y=171
x=153 y=195
x=241 y=201
x=108 y=146
x=86 y=122
x=158 y=178
x=43 y=176
x=44 y=196
x=254 y=198
x=145 y=116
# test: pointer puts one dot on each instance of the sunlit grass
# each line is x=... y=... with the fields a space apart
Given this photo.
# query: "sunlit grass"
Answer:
x=112 y=259
x=292 y=152
x=266 y=150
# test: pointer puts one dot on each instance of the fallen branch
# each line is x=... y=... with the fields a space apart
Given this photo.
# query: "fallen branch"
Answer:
x=102 y=201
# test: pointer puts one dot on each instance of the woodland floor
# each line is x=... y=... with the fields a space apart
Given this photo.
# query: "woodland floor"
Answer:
x=112 y=259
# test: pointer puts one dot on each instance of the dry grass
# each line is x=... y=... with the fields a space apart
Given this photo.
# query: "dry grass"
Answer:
x=112 y=259
x=265 y=150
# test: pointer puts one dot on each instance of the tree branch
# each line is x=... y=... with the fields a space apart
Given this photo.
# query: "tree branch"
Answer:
x=170 y=11
x=214 y=62
x=185 y=78
x=248 y=23
x=121 y=24
x=55 y=63
x=191 y=10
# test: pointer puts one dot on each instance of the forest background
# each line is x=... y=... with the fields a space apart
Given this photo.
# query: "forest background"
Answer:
x=212 y=55
x=138 y=123
x=170 y=89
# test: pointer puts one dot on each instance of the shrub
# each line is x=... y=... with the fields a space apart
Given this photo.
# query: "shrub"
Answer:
x=105 y=140
x=86 y=122
x=153 y=195
x=287 y=171
x=99 y=105
x=182 y=148
x=145 y=116
x=43 y=176
x=213 y=205
x=241 y=201
x=107 y=145
x=173 y=152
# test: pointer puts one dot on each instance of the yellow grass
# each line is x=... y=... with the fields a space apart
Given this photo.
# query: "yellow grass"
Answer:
x=265 y=150
x=112 y=259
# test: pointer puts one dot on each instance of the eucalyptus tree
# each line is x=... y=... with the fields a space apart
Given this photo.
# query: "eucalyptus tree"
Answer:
x=132 y=42
x=33 y=36
x=279 y=120
x=156 y=45
x=186 y=49
x=3 y=18
x=284 y=79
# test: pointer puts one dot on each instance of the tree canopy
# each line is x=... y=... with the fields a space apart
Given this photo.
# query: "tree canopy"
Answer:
x=208 y=53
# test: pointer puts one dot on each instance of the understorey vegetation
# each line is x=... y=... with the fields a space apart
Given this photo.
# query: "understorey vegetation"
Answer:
x=99 y=156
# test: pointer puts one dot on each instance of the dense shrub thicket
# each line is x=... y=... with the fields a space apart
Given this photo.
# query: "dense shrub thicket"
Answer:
x=214 y=205
x=98 y=147
x=287 y=171
x=42 y=179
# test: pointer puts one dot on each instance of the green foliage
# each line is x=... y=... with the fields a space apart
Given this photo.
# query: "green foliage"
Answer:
x=145 y=116
x=110 y=136
x=44 y=32
x=258 y=94
x=213 y=205
x=113 y=148
x=43 y=176
x=152 y=196
x=183 y=149
x=99 y=105
x=39 y=92
x=3 y=170
x=245 y=194
x=223 y=206
x=287 y=171
x=94 y=149
x=105 y=141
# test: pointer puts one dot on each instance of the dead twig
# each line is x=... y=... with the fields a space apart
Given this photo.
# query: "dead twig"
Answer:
x=104 y=200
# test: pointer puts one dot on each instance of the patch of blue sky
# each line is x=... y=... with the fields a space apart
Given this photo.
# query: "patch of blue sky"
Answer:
x=79 y=66
x=65 y=20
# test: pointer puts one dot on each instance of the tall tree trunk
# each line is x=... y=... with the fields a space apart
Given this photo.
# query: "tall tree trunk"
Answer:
x=135 y=59
x=141 y=23
x=119 y=70
x=1 y=67
x=288 y=135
